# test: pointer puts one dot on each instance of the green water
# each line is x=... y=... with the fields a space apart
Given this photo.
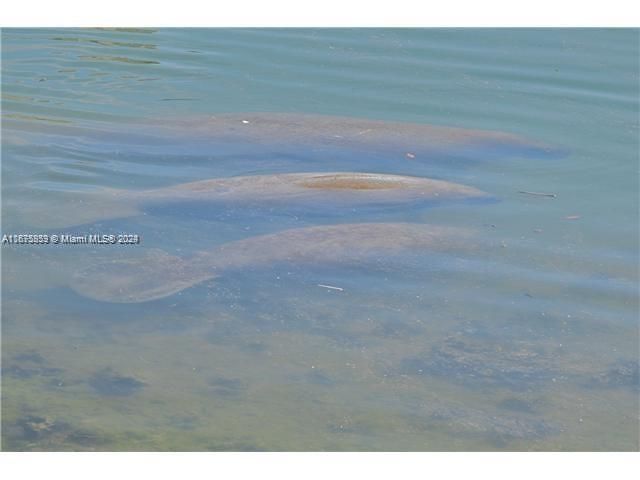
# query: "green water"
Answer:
x=528 y=341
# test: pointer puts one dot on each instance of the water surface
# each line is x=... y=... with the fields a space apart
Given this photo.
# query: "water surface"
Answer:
x=527 y=341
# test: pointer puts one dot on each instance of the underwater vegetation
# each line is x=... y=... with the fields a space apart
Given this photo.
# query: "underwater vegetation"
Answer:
x=110 y=383
x=42 y=433
x=482 y=362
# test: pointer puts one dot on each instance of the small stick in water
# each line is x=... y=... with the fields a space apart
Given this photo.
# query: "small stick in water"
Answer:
x=538 y=194
x=331 y=288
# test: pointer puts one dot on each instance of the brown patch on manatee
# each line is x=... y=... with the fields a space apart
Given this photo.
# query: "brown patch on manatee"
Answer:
x=345 y=182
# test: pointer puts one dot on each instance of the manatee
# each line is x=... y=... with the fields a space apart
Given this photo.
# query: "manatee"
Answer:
x=400 y=139
x=301 y=134
x=333 y=189
x=159 y=274
x=349 y=188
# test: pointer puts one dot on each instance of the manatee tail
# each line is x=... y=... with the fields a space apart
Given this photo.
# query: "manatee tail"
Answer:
x=155 y=275
x=78 y=208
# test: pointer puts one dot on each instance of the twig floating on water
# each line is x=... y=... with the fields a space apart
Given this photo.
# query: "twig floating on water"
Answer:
x=331 y=288
x=538 y=194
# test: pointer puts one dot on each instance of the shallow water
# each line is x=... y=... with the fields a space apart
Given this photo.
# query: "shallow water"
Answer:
x=528 y=340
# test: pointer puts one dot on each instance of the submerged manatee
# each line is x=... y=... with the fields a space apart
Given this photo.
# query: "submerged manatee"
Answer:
x=332 y=189
x=350 y=187
x=286 y=139
x=158 y=274
x=293 y=133
x=421 y=141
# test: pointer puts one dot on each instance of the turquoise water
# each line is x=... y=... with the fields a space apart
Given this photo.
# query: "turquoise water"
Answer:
x=527 y=340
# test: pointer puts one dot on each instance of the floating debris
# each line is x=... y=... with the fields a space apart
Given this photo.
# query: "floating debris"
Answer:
x=538 y=194
x=330 y=287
